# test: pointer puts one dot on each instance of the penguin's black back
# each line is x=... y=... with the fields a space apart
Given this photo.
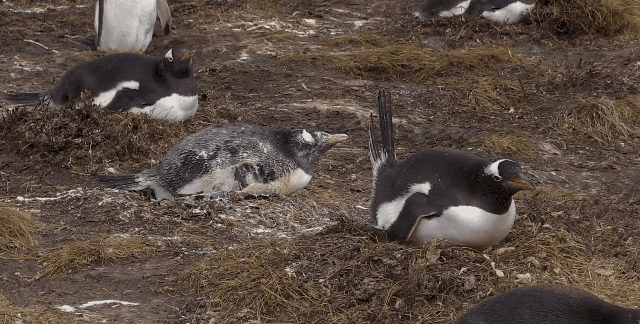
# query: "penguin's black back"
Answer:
x=452 y=175
x=550 y=305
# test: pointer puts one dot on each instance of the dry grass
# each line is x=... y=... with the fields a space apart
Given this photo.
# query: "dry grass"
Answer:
x=17 y=230
x=603 y=119
x=89 y=140
x=415 y=63
x=81 y=253
x=516 y=143
x=39 y=315
x=577 y=17
x=346 y=275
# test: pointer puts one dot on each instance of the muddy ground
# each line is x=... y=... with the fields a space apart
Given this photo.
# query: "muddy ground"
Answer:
x=274 y=63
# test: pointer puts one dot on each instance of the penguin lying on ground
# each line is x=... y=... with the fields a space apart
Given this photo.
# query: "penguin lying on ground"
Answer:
x=126 y=25
x=502 y=11
x=440 y=192
x=164 y=87
x=548 y=305
x=233 y=158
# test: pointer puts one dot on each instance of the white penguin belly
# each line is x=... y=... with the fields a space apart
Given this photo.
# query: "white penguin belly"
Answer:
x=223 y=181
x=465 y=225
x=285 y=185
x=458 y=10
x=171 y=108
x=510 y=14
x=126 y=25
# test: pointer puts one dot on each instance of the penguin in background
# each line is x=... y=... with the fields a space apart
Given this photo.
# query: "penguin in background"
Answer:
x=501 y=11
x=548 y=305
x=440 y=192
x=127 y=25
x=164 y=87
x=243 y=158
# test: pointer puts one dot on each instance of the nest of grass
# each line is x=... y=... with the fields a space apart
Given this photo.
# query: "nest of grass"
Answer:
x=345 y=274
x=90 y=140
x=17 y=230
x=593 y=17
x=11 y=314
x=81 y=253
x=603 y=119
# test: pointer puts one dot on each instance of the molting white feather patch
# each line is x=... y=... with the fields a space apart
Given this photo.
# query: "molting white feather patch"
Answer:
x=307 y=136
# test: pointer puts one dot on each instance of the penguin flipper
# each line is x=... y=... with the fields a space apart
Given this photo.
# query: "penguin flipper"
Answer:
x=125 y=99
x=417 y=206
x=249 y=173
x=162 y=8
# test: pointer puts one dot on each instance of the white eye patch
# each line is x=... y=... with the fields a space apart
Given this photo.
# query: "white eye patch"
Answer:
x=492 y=169
x=307 y=136
x=169 y=55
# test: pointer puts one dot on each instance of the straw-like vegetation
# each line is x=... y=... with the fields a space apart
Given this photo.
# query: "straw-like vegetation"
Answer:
x=515 y=143
x=415 y=63
x=81 y=253
x=38 y=315
x=603 y=119
x=346 y=275
x=578 y=17
x=17 y=230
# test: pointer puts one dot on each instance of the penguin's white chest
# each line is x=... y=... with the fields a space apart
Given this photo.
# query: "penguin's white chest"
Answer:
x=127 y=25
x=465 y=225
x=510 y=14
x=172 y=108
x=284 y=185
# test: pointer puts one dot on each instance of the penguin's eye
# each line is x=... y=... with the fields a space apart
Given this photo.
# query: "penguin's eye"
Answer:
x=170 y=59
x=497 y=178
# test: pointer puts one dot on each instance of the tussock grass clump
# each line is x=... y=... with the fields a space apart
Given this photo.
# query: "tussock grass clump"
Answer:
x=37 y=315
x=17 y=230
x=415 y=63
x=516 y=143
x=365 y=39
x=579 y=17
x=603 y=119
x=80 y=253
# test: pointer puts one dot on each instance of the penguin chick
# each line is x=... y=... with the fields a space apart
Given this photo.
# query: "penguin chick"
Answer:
x=243 y=158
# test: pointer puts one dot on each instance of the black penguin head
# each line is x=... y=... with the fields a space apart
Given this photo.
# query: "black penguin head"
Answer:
x=309 y=147
x=508 y=174
x=177 y=63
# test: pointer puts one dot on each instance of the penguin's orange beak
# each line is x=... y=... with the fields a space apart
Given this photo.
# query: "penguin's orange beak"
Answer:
x=520 y=184
x=185 y=57
x=336 y=138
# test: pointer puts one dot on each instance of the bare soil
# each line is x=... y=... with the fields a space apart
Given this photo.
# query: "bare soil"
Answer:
x=265 y=62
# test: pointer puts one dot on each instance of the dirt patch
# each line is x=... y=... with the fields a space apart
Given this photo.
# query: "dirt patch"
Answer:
x=561 y=101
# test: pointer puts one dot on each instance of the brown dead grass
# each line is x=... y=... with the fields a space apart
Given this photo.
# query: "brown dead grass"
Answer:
x=345 y=275
x=578 y=17
x=38 y=315
x=603 y=119
x=415 y=63
x=516 y=143
x=81 y=253
x=17 y=230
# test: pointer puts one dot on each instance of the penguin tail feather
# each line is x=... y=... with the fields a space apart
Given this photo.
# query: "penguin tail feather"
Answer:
x=24 y=98
x=386 y=128
x=122 y=181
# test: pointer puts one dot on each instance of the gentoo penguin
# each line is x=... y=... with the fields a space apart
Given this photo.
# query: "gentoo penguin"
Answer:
x=440 y=192
x=164 y=88
x=502 y=11
x=228 y=158
x=126 y=25
x=548 y=305
x=442 y=8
